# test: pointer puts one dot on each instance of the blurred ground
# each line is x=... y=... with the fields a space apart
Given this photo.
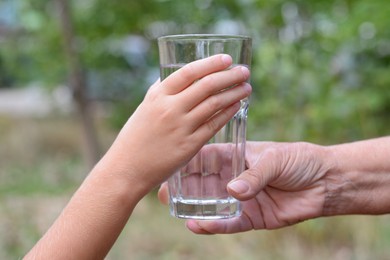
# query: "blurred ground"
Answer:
x=40 y=167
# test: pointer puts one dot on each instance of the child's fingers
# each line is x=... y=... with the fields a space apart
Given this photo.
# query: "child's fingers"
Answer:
x=193 y=71
x=212 y=84
x=215 y=123
x=215 y=103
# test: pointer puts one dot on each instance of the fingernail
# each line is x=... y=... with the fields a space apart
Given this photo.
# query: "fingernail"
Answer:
x=239 y=186
x=248 y=88
x=245 y=71
x=227 y=60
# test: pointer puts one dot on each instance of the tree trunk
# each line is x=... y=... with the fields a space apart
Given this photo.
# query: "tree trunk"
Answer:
x=77 y=84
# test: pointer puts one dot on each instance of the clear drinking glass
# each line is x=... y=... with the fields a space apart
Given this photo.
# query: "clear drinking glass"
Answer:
x=198 y=190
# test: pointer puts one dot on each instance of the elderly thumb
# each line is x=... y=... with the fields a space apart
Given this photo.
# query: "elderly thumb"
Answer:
x=248 y=184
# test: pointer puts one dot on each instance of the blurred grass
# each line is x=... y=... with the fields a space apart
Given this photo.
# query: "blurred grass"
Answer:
x=40 y=167
x=38 y=155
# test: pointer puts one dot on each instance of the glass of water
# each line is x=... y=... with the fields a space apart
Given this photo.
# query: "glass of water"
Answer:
x=198 y=190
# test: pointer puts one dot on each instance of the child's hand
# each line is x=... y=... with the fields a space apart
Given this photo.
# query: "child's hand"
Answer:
x=177 y=117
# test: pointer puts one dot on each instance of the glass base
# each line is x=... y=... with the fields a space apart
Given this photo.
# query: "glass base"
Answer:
x=205 y=209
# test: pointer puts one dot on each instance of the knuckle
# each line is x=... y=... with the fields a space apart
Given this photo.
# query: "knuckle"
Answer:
x=188 y=72
x=254 y=177
x=213 y=103
x=152 y=95
x=208 y=82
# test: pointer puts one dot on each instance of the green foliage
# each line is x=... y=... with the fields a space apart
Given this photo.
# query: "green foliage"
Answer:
x=327 y=83
x=320 y=68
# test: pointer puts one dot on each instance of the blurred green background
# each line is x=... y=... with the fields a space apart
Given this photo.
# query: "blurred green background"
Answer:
x=72 y=72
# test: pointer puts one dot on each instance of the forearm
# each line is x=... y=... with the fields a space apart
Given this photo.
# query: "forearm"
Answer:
x=359 y=179
x=94 y=217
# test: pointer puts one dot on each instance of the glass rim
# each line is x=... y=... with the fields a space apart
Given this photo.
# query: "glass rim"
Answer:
x=208 y=37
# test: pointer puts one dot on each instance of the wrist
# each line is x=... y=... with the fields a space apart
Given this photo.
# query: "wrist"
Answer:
x=121 y=177
x=358 y=181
